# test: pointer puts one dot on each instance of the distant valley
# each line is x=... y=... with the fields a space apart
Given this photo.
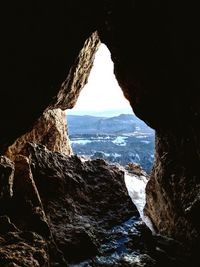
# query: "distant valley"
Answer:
x=120 y=139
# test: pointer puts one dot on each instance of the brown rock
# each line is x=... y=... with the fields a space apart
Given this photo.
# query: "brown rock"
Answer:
x=24 y=184
x=6 y=225
x=70 y=67
x=173 y=191
x=24 y=207
x=155 y=50
x=21 y=212
x=23 y=249
x=50 y=130
x=162 y=88
x=78 y=74
x=136 y=169
x=6 y=177
x=82 y=201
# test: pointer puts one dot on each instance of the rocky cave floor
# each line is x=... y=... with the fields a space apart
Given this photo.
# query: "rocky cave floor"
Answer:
x=58 y=210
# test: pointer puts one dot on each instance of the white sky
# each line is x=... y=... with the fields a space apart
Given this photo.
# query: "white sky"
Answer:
x=102 y=91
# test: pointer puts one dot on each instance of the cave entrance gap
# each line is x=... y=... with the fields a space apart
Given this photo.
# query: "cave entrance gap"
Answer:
x=102 y=123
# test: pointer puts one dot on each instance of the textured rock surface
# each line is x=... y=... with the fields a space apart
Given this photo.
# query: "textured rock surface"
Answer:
x=55 y=208
x=174 y=188
x=6 y=178
x=38 y=57
x=82 y=201
x=155 y=49
x=25 y=236
x=21 y=213
x=78 y=74
x=25 y=249
x=156 y=53
x=50 y=130
x=64 y=205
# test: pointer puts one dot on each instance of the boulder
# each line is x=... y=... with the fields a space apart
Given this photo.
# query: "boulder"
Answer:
x=82 y=199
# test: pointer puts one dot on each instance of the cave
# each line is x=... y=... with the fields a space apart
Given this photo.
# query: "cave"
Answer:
x=107 y=128
x=47 y=54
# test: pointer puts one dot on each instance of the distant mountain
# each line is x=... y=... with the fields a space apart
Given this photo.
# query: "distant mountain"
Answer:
x=103 y=113
x=124 y=123
x=121 y=139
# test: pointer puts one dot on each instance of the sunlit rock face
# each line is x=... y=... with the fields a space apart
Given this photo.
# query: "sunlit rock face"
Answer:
x=78 y=74
x=43 y=46
x=50 y=130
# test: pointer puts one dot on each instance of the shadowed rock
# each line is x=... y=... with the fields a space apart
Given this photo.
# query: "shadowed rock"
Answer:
x=23 y=249
x=155 y=50
x=82 y=199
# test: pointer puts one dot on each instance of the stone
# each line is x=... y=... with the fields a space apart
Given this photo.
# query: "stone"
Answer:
x=6 y=225
x=23 y=212
x=30 y=215
x=51 y=56
x=156 y=250
x=171 y=192
x=79 y=216
x=136 y=169
x=83 y=199
x=17 y=250
x=141 y=260
x=24 y=184
x=6 y=177
x=50 y=130
x=166 y=98
x=156 y=55
x=78 y=75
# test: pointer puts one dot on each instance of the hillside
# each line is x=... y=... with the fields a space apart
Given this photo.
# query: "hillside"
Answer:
x=124 y=123
x=121 y=139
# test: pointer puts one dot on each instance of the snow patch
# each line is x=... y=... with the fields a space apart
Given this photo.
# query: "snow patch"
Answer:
x=120 y=140
x=137 y=156
x=106 y=154
x=81 y=141
x=136 y=189
x=145 y=141
x=116 y=155
x=137 y=128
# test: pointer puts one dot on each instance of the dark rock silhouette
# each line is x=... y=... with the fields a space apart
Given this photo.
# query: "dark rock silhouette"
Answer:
x=46 y=53
x=69 y=203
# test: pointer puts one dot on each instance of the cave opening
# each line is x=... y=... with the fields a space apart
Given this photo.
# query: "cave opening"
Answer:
x=156 y=49
x=103 y=125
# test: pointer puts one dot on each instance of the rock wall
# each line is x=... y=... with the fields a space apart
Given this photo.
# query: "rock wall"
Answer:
x=78 y=74
x=42 y=46
x=49 y=130
x=173 y=190
x=155 y=50
x=54 y=208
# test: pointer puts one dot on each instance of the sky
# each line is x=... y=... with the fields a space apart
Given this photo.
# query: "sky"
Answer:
x=102 y=92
